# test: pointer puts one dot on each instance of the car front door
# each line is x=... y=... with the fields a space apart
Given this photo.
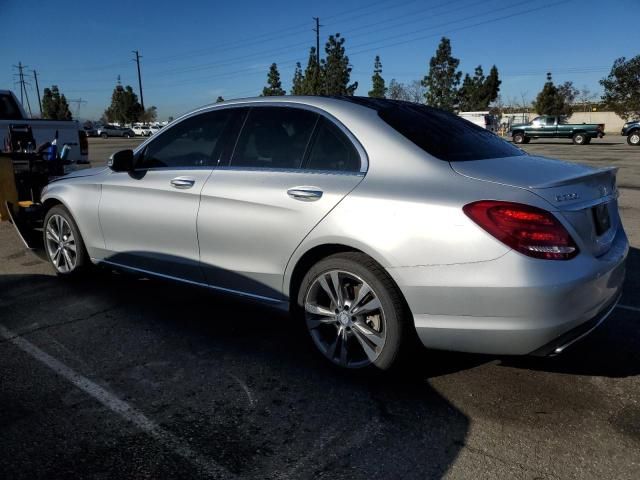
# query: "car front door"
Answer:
x=289 y=168
x=549 y=128
x=148 y=216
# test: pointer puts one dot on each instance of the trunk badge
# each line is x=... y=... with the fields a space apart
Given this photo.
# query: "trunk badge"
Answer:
x=565 y=197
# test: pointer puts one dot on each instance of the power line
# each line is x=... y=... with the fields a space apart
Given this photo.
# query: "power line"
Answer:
x=78 y=102
x=23 y=85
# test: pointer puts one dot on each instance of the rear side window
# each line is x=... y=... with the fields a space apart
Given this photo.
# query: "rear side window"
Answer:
x=332 y=150
x=274 y=137
x=445 y=135
x=190 y=143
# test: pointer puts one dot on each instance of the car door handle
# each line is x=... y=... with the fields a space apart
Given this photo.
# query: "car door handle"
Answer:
x=183 y=182
x=305 y=194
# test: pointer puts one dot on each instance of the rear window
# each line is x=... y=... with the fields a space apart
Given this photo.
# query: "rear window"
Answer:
x=445 y=135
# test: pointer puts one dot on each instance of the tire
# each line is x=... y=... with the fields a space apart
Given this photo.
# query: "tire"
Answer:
x=66 y=264
x=579 y=139
x=526 y=140
x=634 y=138
x=104 y=135
x=127 y=135
x=338 y=333
x=519 y=138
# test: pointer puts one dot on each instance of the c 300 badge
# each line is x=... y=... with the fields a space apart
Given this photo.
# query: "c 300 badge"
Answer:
x=565 y=197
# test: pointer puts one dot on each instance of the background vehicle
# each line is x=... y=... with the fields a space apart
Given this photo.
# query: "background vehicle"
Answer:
x=554 y=126
x=12 y=113
x=153 y=129
x=482 y=119
x=373 y=220
x=632 y=131
x=113 y=131
x=90 y=132
x=141 y=130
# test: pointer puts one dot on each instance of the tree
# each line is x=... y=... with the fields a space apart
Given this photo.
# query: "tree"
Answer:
x=378 y=89
x=124 y=107
x=554 y=100
x=54 y=105
x=622 y=87
x=412 y=92
x=312 y=79
x=274 y=85
x=149 y=115
x=219 y=99
x=336 y=72
x=585 y=97
x=397 y=90
x=443 y=78
x=478 y=92
x=297 y=84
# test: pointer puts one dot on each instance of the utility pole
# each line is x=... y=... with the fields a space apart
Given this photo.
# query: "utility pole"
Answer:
x=317 y=30
x=23 y=85
x=35 y=77
x=137 y=60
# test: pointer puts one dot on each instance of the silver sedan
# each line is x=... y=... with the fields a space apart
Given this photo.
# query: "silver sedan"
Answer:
x=375 y=222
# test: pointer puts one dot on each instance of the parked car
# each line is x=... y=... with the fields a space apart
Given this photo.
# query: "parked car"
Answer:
x=107 y=131
x=12 y=114
x=555 y=126
x=141 y=130
x=632 y=131
x=154 y=129
x=374 y=221
x=90 y=131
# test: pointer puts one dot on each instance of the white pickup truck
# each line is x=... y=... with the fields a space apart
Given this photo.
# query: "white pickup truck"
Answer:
x=12 y=114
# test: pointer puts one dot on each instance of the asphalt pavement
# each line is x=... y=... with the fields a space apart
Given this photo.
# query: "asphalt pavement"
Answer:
x=125 y=377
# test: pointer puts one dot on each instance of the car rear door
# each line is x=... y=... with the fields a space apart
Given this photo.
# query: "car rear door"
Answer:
x=289 y=168
x=148 y=216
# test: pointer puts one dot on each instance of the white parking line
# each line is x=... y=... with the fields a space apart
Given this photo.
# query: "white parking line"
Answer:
x=118 y=406
x=628 y=307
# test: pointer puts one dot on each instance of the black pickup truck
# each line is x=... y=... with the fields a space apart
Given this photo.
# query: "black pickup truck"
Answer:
x=554 y=126
x=631 y=130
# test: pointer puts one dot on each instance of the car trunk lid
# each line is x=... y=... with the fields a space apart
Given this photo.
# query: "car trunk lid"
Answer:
x=586 y=197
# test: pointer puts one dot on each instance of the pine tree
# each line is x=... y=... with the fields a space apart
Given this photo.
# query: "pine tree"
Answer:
x=336 y=69
x=551 y=100
x=124 y=107
x=274 y=85
x=55 y=105
x=219 y=99
x=312 y=79
x=443 y=78
x=491 y=87
x=297 y=84
x=470 y=95
x=378 y=89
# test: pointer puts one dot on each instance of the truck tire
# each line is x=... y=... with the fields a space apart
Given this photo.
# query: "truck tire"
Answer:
x=634 y=138
x=104 y=135
x=519 y=138
x=579 y=138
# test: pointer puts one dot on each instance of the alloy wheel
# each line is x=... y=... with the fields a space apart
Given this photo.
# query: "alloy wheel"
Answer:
x=634 y=138
x=345 y=319
x=61 y=244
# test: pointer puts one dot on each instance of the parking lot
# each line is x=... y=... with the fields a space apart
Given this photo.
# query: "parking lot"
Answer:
x=125 y=377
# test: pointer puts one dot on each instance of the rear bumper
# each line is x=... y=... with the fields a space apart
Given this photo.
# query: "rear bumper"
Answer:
x=513 y=305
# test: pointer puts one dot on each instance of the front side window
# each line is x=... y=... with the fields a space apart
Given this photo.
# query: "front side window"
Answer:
x=274 y=137
x=332 y=150
x=191 y=143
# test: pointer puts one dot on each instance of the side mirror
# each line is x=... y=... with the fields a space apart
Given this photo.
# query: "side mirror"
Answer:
x=121 y=161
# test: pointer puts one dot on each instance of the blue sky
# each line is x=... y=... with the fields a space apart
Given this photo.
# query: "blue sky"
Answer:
x=194 y=51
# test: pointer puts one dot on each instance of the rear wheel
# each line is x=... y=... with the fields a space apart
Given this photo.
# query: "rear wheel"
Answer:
x=634 y=138
x=519 y=138
x=63 y=244
x=354 y=313
x=579 y=139
x=104 y=135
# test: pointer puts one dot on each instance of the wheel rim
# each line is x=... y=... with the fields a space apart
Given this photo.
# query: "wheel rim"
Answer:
x=345 y=319
x=635 y=138
x=61 y=244
x=579 y=139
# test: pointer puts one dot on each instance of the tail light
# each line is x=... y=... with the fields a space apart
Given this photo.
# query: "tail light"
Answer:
x=529 y=230
x=84 y=143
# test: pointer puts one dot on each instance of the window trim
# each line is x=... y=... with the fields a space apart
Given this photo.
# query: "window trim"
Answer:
x=364 y=158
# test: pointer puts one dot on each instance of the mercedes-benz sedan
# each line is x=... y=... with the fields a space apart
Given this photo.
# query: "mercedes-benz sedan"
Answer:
x=375 y=221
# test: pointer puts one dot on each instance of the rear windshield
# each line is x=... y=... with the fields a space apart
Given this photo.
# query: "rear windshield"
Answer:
x=445 y=135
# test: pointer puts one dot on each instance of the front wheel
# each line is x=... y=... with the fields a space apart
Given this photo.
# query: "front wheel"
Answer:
x=353 y=311
x=519 y=138
x=634 y=138
x=579 y=139
x=63 y=244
